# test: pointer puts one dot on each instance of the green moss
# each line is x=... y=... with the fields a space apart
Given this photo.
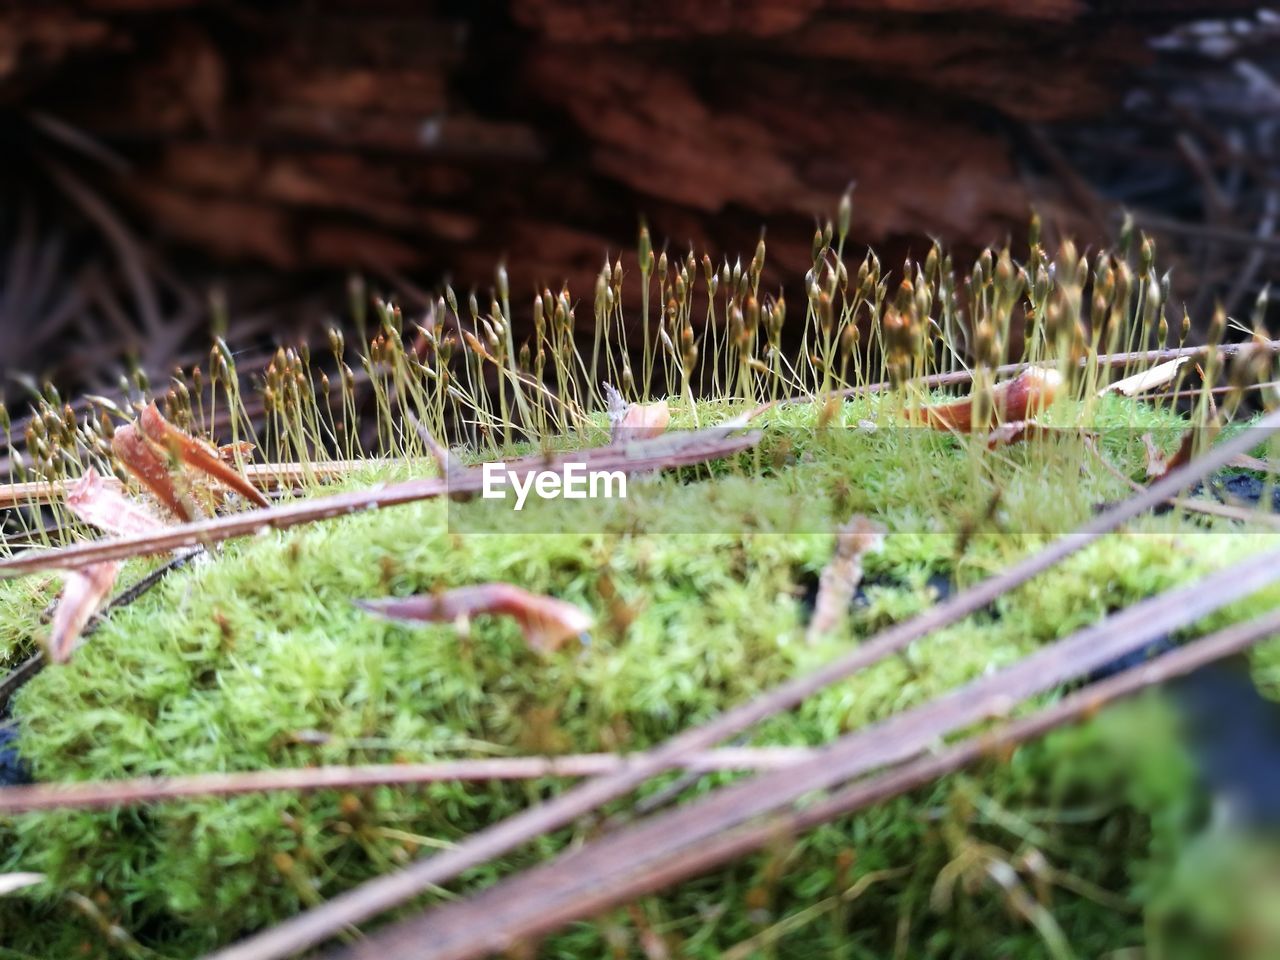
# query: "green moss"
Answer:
x=229 y=660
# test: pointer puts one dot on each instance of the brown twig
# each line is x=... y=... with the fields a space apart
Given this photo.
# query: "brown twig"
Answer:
x=123 y=793
x=543 y=897
x=1208 y=508
x=383 y=893
x=628 y=884
x=264 y=476
x=672 y=450
x=1246 y=462
x=1191 y=394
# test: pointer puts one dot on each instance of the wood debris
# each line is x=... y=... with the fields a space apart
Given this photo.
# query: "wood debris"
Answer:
x=1149 y=379
x=1013 y=400
x=545 y=621
x=840 y=577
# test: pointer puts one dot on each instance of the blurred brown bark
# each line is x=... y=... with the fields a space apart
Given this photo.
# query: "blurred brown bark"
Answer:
x=445 y=136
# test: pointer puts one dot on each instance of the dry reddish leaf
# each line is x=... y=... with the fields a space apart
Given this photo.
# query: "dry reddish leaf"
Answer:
x=1156 y=376
x=635 y=421
x=142 y=447
x=645 y=420
x=1184 y=451
x=100 y=502
x=1014 y=400
x=229 y=452
x=840 y=577
x=136 y=454
x=83 y=592
x=196 y=453
x=545 y=621
x=97 y=501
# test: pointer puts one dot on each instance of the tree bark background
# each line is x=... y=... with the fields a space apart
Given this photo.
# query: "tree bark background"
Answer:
x=435 y=139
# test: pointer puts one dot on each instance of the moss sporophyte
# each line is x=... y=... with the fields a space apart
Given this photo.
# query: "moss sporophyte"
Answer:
x=446 y=624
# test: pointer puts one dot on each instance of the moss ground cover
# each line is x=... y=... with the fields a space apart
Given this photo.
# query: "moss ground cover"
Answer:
x=256 y=657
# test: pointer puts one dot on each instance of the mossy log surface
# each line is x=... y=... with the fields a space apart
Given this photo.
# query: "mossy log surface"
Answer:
x=257 y=658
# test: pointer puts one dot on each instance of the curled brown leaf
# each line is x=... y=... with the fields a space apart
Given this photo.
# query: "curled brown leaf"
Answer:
x=135 y=453
x=1014 y=400
x=196 y=453
x=545 y=621
x=148 y=449
x=83 y=593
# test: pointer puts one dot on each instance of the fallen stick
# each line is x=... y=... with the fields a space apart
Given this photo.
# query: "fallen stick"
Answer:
x=671 y=450
x=1208 y=508
x=125 y=793
x=264 y=476
x=626 y=884
x=542 y=898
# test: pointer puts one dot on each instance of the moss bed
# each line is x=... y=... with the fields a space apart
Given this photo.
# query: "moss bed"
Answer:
x=701 y=589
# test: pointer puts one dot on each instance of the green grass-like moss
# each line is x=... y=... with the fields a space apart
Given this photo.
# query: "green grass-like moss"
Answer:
x=221 y=666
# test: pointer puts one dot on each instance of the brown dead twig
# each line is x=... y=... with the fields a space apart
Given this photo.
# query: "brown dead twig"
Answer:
x=922 y=771
x=672 y=450
x=842 y=574
x=1193 y=393
x=124 y=793
x=264 y=476
x=1205 y=507
x=377 y=896
x=543 y=897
